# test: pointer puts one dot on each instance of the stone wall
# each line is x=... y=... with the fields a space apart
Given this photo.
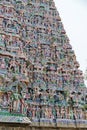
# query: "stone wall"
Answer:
x=30 y=128
x=5 y=126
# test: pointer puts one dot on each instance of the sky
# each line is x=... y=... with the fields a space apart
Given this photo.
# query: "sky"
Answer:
x=74 y=17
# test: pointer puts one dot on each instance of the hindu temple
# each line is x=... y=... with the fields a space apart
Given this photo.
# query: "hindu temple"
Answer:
x=40 y=77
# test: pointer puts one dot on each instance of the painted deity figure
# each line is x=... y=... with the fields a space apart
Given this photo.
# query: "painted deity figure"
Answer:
x=17 y=101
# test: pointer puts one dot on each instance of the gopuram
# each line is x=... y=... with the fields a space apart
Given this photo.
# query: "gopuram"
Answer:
x=40 y=79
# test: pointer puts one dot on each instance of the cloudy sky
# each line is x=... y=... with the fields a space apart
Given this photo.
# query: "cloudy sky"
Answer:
x=74 y=17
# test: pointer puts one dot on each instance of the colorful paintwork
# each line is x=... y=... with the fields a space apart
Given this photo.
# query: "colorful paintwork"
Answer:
x=39 y=73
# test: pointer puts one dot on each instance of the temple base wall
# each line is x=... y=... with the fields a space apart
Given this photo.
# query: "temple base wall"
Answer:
x=7 y=126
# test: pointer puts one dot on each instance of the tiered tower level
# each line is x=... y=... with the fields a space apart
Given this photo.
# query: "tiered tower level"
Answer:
x=39 y=73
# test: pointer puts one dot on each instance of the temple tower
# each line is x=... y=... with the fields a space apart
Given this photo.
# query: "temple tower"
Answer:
x=39 y=73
